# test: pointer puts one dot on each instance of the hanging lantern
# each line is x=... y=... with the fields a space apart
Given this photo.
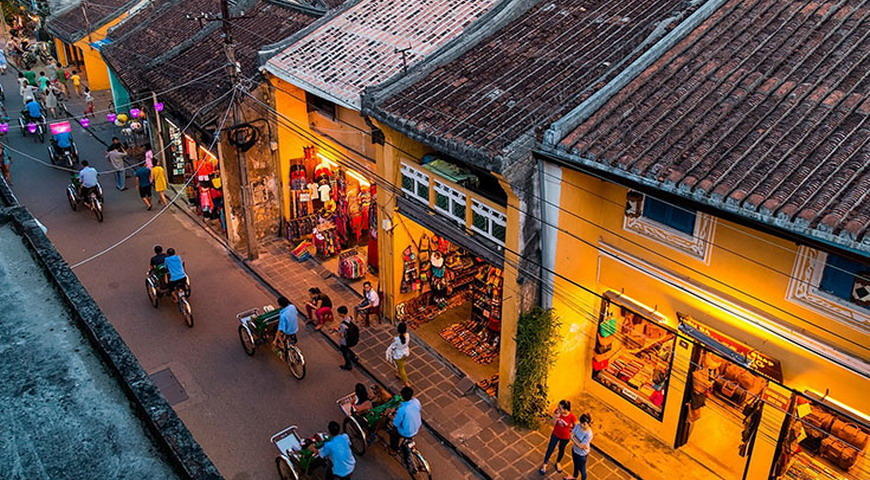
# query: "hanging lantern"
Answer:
x=158 y=106
x=135 y=112
x=4 y=127
x=31 y=127
x=111 y=117
x=85 y=122
x=122 y=117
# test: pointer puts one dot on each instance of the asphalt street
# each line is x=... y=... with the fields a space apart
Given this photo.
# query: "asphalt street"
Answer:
x=234 y=402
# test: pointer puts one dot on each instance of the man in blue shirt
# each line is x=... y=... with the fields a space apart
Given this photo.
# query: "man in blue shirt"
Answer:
x=407 y=420
x=87 y=180
x=337 y=450
x=288 y=322
x=34 y=110
x=175 y=268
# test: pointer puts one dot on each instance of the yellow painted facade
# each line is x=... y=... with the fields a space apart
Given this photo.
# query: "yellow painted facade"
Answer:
x=95 y=69
x=737 y=283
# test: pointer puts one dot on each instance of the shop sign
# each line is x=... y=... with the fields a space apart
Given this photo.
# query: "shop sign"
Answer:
x=731 y=349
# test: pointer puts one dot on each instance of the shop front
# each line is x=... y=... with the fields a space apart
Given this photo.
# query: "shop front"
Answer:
x=333 y=217
x=191 y=166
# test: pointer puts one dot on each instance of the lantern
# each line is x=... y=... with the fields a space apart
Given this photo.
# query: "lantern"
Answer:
x=31 y=127
x=85 y=122
x=111 y=117
x=4 y=127
x=135 y=112
x=122 y=117
x=158 y=106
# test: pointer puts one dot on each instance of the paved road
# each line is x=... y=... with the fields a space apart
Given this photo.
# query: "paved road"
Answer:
x=234 y=402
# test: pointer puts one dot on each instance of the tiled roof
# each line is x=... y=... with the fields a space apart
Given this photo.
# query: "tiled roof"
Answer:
x=162 y=54
x=538 y=66
x=360 y=45
x=762 y=110
x=73 y=23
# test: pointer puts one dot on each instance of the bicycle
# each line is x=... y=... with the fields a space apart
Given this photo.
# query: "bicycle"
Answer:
x=259 y=327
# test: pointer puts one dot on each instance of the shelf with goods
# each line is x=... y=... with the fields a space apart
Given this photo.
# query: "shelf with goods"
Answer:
x=486 y=299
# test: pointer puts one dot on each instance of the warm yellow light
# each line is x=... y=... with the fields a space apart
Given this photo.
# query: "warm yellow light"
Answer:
x=361 y=179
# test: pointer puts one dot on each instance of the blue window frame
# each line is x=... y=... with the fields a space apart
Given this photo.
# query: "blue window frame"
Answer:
x=679 y=218
x=838 y=278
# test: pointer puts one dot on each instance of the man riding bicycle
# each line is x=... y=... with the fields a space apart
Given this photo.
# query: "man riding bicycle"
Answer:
x=407 y=420
x=33 y=110
x=175 y=270
x=62 y=141
x=87 y=178
x=288 y=323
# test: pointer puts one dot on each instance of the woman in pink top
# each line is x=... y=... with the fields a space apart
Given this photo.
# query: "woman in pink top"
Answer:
x=563 y=422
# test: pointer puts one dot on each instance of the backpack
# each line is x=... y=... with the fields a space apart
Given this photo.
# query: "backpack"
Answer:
x=351 y=335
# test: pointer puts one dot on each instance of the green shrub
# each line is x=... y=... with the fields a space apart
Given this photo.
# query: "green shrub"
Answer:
x=537 y=336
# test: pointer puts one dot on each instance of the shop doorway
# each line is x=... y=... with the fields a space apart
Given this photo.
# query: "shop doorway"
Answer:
x=720 y=414
x=333 y=217
x=452 y=299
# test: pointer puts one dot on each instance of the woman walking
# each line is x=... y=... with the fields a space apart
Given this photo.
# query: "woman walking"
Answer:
x=158 y=179
x=51 y=102
x=398 y=352
x=581 y=443
x=563 y=423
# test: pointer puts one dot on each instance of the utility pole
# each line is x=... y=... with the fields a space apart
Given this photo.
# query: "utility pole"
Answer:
x=244 y=185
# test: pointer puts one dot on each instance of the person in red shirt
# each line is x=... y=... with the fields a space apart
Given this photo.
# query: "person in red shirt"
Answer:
x=563 y=423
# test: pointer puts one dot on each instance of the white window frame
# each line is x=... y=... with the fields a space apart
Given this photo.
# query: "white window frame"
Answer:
x=492 y=215
x=803 y=289
x=698 y=245
x=454 y=197
x=419 y=178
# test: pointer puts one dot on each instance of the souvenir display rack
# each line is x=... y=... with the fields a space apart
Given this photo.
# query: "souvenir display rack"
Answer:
x=464 y=338
x=489 y=385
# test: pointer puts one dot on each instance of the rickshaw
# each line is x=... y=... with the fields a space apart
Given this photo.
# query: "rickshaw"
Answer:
x=93 y=201
x=155 y=287
x=32 y=126
x=258 y=327
x=362 y=429
x=296 y=459
x=66 y=157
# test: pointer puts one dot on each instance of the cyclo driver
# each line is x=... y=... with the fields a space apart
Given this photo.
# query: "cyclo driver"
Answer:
x=288 y=324
x=33 y=110
x=62 y=141
x=175 y=270
x=407 y=420
x=87 y=179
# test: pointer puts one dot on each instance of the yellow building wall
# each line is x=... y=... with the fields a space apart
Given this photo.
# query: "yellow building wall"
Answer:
x=591 y=219
x=95 y=68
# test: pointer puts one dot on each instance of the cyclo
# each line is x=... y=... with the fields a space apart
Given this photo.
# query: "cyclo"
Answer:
x=363 y=429
x=61 y=132
x=296 y=456
x=93 y=199
x=32 y=125
x=156 y=286
x=259 y=327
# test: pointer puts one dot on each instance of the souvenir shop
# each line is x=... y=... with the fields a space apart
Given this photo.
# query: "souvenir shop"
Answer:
x=185 y=157
x=451 y=298
x=822 y=440
x=333 y=217
x=723 y=401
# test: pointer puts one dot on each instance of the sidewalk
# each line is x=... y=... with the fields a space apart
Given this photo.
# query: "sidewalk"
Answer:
x=454 y=409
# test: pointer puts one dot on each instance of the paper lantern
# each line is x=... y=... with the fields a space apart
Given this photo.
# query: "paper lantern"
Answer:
x=4 y=127
x=111 y=117
x=158 y=106
x=85 y=122
x=31 y=127
x=122 y=117
x=135 y=112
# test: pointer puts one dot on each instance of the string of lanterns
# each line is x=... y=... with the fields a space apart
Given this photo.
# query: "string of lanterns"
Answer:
x=119 y=119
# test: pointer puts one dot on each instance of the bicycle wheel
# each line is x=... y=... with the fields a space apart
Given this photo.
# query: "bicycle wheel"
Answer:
x=295 y=362
x=248 y=343
x=186 y=310
x=73 y=203
x=417 y=466
x=357 y=435
x=286 y=470
x=97 y=207
x=152 y=293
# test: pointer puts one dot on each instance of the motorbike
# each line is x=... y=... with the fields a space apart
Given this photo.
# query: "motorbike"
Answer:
x=93 y=201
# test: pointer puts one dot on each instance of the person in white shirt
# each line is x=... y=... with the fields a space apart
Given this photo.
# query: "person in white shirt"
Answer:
x=408 y=419
x=370 y=304
x=581 y=443
x=398 y=352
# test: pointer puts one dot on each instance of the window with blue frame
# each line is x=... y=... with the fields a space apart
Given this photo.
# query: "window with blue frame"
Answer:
x=681 y=219
x=838 y=278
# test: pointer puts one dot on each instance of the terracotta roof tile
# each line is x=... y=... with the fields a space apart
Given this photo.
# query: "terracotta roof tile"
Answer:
x=535 y=68
x=73 y=23
x=762 y=109
x=358 y=47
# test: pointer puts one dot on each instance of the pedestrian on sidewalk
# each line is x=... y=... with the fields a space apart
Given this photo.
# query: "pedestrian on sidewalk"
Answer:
x=318 y=306
x=42 y=82
x=51 y=102
x=30 y=75
x=116 y=159
x=149 y=155
x=22 y=82
x=349 y=337
x=89 y=103
x=143 y=174
x=398 y=352
x=563 y=424
x=158 y=179
x=581 y=443
x=77 y=82
x=3 y=62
